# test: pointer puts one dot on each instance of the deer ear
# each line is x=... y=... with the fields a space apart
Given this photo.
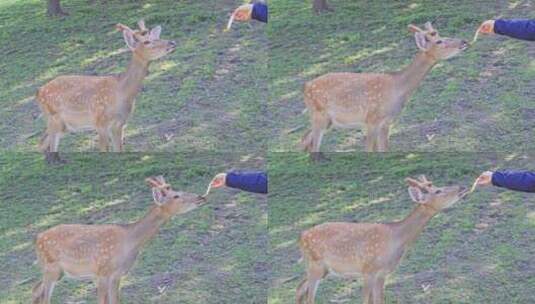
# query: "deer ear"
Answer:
x=416 y=195
x=158 y=197
x=414 y=29
x=429 y=26
x=141 y=25
x=160 y=180
x=421 y=41
x=129 y=39
x=412 y=182
x=151 y=182
x=155 y=33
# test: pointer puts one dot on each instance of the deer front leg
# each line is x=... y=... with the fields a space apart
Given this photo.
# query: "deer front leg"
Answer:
x=103 y=284
x=372 y=133
x=103 y=139
x=117 y=133
x=382 y=137
x=367 y=291
x=113 y=291
x=378 y=290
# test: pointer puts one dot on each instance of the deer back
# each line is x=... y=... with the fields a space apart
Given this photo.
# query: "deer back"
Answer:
x=350 y=97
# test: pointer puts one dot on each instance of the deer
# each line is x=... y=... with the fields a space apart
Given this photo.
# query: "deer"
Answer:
x=371 y=100
x=371 y=250
x=105 y=253
x=103 y=104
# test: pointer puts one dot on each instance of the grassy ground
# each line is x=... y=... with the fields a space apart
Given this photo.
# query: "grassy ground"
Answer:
x=216 y=254
x=479 y=101
x=198 y=98
x=479 y=251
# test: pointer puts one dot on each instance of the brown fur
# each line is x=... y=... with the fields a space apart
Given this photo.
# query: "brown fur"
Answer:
x=371 y=100
x=102 y=103
x=372 y=250
x=104 y=253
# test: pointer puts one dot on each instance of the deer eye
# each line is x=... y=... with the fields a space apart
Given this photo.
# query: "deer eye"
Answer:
x=176 y=196
x=439 y=42
x=438 y=192
x=433 y=34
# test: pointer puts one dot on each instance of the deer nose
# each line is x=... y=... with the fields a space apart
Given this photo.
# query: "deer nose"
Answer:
x=172 y=43
x=464 y=44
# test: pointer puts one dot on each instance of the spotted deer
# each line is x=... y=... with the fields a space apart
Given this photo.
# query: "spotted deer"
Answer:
x=371 y=100
x=101 y=103
x=105 y=253
x=370 y=250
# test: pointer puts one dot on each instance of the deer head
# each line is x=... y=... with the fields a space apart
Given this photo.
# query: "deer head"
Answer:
x=172 y=202
x=430 y=42
x=423 y=192
x=146 y=43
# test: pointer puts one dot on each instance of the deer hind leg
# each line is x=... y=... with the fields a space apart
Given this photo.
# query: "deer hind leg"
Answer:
x=315 y=273
x=320 y=123
x=50 y=141
x=301 y=291
x=42 y=292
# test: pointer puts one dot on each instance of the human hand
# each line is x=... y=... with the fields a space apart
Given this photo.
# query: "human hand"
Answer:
x=485 y=179
x=219 y=180
x=243 y=13
x=486 y=27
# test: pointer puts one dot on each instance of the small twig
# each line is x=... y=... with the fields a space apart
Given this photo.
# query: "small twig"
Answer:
x=24 y=281
x=293 y=130
x=474 y=185
x=229 y=24
x=475 y=36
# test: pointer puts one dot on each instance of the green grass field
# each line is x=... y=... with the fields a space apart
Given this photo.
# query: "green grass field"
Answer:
x=478 y=101
x=479 y=251
x=215 y=254
x=200 y=97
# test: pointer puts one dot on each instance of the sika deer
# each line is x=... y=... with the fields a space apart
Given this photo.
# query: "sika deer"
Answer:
x=371 y=250
x=101 y=103
x=105 y=253
x=372 y=100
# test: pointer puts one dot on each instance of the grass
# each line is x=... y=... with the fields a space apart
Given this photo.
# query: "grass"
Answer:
x=197 y=98
x=215 y=254
x=478 y=101
x=479 y=251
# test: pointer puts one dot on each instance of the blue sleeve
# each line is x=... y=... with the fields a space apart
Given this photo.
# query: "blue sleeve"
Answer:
x=515 y=180
x=251 y=181
x=516 y=28
x=260 y=12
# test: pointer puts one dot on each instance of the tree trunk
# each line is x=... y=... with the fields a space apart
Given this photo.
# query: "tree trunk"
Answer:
x=321 y=6
x=54 y=8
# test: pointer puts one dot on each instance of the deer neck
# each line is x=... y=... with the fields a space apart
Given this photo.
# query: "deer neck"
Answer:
x=411 y=76
x=131 y=80
x=408 y=230
x=144 y=229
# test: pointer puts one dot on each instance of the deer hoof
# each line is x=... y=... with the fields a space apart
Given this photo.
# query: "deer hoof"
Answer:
x=52 y=158
x=318 y=157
